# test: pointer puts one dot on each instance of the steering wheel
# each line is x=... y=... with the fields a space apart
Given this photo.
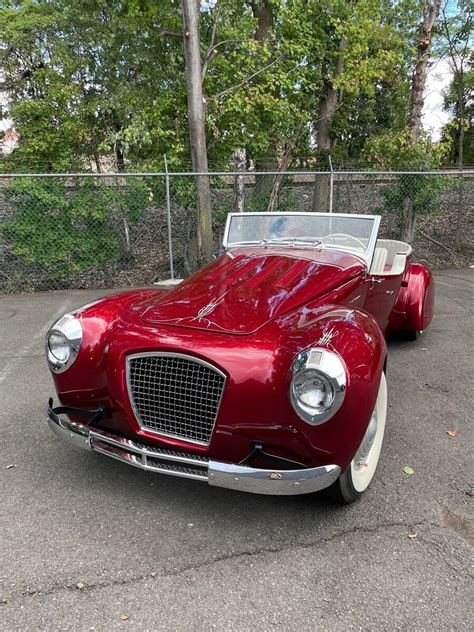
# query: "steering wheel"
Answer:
x=344 y=236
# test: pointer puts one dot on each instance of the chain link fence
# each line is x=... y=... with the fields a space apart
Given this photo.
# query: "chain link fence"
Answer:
x=117 y=230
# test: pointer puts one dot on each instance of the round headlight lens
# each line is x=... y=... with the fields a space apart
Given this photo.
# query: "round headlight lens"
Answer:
x=313 y=390
x=63 y=342
x=59 y=346
x=318 y=385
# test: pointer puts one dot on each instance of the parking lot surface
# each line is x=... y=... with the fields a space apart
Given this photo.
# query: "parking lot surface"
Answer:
x=88 y=543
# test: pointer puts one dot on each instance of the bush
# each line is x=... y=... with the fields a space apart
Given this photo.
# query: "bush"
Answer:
x=69 y=228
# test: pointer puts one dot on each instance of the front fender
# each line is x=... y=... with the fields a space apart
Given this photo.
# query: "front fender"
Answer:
x=87 y=378
x=358 y=340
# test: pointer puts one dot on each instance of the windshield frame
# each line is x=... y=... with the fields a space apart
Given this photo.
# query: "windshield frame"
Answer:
x=366 y=256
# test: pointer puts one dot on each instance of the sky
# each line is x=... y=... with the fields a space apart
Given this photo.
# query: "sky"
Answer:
x=439 y=78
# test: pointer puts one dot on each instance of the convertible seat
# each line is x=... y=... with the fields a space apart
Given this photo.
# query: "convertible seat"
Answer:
x=397 y=253
x=379 y=260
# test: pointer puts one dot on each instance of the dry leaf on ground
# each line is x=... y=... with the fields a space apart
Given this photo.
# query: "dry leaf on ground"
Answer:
x=452 y=433
x=124 y=616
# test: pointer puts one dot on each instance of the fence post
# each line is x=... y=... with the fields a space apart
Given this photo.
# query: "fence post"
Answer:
x=458 y=235
x=168 y=218
x=331 y=184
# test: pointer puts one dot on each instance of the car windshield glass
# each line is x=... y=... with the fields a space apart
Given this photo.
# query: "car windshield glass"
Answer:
x=352 y=233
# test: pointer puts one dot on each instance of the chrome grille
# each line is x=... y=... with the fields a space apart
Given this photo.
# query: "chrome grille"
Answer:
x=175 y=395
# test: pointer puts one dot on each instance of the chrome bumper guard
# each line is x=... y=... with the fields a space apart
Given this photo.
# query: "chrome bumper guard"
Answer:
x=187 y=465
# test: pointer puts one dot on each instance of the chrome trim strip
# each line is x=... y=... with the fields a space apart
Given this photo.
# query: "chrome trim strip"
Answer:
x=134 y=461
x=242 y=478
x=126 y=444
x=170 y=354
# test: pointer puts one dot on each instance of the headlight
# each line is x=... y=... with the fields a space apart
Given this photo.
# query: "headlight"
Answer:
x=63 y=342
x=318 y=385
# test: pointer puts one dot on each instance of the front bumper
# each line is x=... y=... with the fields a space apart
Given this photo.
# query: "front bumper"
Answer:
x=187 y=465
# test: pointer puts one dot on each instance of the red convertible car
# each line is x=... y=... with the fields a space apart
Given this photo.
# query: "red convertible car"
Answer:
x=263 y=372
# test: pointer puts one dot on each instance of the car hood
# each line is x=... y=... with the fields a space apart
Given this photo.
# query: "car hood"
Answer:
x=241 y=291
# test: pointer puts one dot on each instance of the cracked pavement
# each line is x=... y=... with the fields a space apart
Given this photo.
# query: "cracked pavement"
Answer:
x=85 y=539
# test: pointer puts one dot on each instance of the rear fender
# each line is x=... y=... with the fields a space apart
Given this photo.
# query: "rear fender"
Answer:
x=413 y=309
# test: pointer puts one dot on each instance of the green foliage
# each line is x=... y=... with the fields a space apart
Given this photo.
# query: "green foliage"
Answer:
x=182 y=192
x=67 y=228
x=451 y=131
x=456 y=46
x=399 y=152
x=423 y=191
x=100 y=83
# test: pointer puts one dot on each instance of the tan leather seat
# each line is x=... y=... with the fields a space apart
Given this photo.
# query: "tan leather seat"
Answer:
x=379 y=260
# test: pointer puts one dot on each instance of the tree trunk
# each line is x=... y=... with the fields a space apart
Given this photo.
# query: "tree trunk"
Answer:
x=461 y=110
x=272 y=201
x=264 y=183
x=420 y=70
x=263 y=13
x=326 y=110
x=408 y=221
x=196 y=125
x=95 y=155
x=119 y=157
x=284 y=164
x=418 y=83
x=238 y=205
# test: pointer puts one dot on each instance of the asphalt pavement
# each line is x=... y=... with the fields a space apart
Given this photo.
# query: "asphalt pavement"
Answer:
x=87 y=543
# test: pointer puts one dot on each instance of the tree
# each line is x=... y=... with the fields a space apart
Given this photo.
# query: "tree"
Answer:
x=326 y=110
x=262 y=12
x=362 y=54
x=457 y=33
x=196 y=125
x=108 y=76
x=102 y=83
x=418 y=84
x=461 y=145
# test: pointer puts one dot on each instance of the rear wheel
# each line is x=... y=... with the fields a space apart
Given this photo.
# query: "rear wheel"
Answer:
x=355 y=480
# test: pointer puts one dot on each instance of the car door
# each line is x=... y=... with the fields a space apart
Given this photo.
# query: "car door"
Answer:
x=381 y=296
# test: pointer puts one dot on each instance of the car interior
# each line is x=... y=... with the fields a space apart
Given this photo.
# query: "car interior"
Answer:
x=390 y=257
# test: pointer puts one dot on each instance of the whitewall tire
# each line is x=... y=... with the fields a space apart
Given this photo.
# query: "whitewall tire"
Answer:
x=361 y=470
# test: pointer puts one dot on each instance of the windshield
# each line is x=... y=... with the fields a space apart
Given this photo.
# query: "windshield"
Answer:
x=351 y=233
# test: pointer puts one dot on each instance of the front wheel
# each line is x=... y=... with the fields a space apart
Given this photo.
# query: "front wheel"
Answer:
x=355 y=480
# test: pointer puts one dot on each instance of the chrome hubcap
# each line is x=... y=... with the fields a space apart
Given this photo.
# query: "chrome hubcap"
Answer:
x=361 y=459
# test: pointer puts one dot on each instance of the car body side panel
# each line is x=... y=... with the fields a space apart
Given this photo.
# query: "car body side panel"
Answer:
x=381 y=297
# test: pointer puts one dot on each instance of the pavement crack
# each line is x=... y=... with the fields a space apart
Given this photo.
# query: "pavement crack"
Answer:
x=85 y=587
